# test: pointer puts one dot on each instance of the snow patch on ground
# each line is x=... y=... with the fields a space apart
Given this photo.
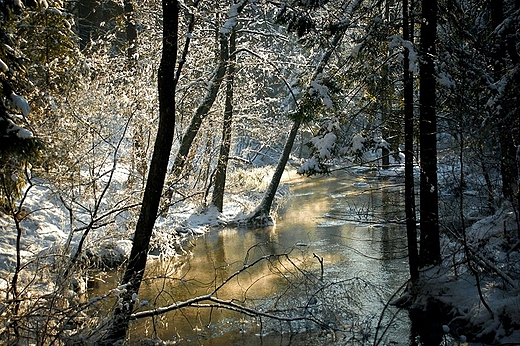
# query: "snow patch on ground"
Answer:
x=492 y=242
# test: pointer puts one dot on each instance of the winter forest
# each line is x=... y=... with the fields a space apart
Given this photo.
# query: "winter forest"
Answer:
x=254 y=172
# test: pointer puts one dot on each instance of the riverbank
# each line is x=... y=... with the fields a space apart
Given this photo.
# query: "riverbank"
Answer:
x=479 y=302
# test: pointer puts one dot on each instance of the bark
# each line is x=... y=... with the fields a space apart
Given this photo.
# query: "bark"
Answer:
x=225 y=145
x=411 y=221
x=429 y=207
x=261 y=213
x=137 y=262
x=202 y=110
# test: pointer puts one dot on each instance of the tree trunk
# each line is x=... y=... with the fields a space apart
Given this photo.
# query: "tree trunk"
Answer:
x=225 y=145
x=261 y=213
x=409 y=184
x=204 y=108
x=131 y=31
x=201 y=111
x=155 y=182
x=429 y=208
x=508 y=167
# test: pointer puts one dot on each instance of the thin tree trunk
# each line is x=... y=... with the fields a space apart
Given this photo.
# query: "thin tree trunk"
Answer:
x=201 y=111
x=261 y=213
x=429 y=208
x=508 y=168
x=411 y=230
x=225 y=145
x=131 y=31
x=204 y=108
x=137 y=262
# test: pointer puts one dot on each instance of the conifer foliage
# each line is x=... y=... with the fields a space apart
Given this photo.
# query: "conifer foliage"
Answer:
x=18 y=144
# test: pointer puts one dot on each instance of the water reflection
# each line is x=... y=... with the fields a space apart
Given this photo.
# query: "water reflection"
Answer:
x=351 y=224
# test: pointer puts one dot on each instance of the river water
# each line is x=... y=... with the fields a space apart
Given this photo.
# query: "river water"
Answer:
x=336 y=255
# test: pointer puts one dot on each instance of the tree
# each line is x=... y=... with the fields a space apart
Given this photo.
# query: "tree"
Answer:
x=209 y=98
x=18 y=145
x=411 y=229
x=156 y=176
x=262 y=211
x=131 y=30
x=429 y=207
x=225 y=144
x=506 y=107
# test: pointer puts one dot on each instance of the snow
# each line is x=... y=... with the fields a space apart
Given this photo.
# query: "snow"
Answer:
x=42 y=228
x=24 y=133
x=324 y=145
x=3 y=66
x=357 y=143
x=232 y=18
x=20 y=132
x=454 y=285
x=356 y=49
x=317 y=89
x=20 y=104
x=396 y=41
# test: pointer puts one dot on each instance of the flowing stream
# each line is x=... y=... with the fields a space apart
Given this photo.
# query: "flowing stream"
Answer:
x=339 y=253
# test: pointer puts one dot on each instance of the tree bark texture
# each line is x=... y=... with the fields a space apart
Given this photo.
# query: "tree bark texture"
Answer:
x=429 y=208
x=137 y=262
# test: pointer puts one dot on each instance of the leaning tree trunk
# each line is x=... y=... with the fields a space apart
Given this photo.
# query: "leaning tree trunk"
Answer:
x=429 y=205
x=261 y=214
x=156 y=176
x=225 y=146
x=409 y=184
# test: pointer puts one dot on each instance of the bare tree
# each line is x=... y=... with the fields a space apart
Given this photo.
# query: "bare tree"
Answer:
x=225 y=145
x=156 y=176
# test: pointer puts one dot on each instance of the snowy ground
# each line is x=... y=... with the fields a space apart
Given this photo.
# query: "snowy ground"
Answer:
x=493 y=243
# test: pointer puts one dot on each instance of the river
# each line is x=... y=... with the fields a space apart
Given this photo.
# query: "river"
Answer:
x=339 y=254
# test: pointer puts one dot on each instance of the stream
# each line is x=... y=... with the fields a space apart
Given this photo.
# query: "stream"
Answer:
x=336 y=255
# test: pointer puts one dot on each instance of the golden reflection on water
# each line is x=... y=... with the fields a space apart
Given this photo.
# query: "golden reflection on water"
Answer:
x=326 y=218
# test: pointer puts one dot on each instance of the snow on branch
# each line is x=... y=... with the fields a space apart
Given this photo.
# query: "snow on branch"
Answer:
x=233 y=12
x=320 y=90
x=3 y=66
x=20 y=103
x=19 y=131
x=396 y=41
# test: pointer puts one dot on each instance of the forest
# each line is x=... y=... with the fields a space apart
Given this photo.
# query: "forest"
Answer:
x=130 y=130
